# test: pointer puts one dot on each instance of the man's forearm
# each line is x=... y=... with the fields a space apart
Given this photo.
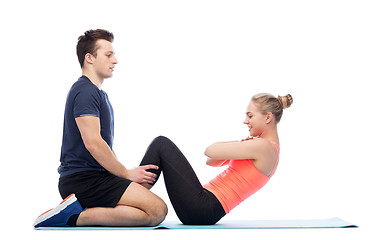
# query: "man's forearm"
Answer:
x=107 y=159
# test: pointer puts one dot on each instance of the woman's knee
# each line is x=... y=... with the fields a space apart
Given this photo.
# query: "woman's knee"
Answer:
x=158 y=143
x=162 y=139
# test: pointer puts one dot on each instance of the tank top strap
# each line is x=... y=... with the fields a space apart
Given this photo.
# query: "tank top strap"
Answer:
x=278 y=155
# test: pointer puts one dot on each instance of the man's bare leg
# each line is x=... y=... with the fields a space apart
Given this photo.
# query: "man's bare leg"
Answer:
x=137 y=207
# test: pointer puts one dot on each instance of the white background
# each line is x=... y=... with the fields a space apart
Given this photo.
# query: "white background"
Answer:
x=187 y=70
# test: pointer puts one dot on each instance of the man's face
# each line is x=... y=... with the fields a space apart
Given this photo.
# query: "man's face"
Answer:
x=105 y=59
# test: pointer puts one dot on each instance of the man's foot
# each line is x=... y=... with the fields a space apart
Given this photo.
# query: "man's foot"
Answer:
x=58 y=217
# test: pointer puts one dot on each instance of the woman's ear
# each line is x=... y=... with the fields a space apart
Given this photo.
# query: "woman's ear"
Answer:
x=269 y=118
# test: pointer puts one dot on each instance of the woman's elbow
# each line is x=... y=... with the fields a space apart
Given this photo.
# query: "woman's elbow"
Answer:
x=210 y=162
x=208 y=152
x=215 y=162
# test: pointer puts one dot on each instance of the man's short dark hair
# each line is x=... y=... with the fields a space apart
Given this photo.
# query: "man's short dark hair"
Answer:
x=87 y=43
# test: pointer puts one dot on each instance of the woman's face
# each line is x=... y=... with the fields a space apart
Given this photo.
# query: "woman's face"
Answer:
x=255 y=120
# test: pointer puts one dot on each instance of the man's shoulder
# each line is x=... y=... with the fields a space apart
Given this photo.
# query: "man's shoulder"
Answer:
x=83 y=82
x=85 y=86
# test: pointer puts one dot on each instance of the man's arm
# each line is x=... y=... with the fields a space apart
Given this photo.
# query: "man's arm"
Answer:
x=89 y=127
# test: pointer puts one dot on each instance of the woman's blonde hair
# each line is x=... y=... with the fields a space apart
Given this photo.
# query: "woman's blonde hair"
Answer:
x=269 y=103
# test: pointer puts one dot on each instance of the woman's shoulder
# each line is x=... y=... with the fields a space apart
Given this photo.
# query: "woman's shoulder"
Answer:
x=261 y=142
x=263 y=148
x=267 y=155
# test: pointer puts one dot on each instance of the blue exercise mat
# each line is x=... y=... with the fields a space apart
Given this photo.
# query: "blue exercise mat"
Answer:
x=244 y=224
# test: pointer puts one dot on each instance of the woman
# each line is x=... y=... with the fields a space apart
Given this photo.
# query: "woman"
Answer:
x=251 y=162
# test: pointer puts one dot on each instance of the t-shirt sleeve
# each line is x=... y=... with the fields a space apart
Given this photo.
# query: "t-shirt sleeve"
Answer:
x=87 y=103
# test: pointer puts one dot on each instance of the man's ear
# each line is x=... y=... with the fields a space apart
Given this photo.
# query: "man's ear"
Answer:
x=88 y=58
x=269 y=118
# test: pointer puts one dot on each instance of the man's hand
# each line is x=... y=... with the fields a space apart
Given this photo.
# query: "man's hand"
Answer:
x=141 y=175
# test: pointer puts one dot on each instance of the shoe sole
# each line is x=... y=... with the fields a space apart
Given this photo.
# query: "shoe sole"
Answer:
x=54 y=211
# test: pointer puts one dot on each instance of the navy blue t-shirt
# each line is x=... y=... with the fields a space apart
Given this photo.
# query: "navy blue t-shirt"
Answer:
x=84 y=99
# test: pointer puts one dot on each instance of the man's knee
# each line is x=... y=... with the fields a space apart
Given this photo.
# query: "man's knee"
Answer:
x=157 y=213
x=139 y=197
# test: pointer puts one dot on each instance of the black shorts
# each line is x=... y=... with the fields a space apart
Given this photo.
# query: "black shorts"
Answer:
x=94 y=188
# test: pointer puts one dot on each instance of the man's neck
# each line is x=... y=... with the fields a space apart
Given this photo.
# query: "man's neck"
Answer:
x=94 y=78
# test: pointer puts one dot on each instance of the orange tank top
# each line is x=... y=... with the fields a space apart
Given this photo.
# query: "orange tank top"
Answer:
x=239 y=181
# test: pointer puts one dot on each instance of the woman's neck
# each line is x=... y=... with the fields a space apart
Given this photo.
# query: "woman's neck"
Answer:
x=270 y=134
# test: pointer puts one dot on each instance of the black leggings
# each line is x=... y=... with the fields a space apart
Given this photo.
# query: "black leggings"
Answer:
x=193 y=204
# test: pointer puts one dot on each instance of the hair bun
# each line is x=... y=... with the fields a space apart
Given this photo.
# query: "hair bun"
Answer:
x=285 y=101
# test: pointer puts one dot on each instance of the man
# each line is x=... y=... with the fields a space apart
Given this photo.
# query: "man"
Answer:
x=91 y=177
